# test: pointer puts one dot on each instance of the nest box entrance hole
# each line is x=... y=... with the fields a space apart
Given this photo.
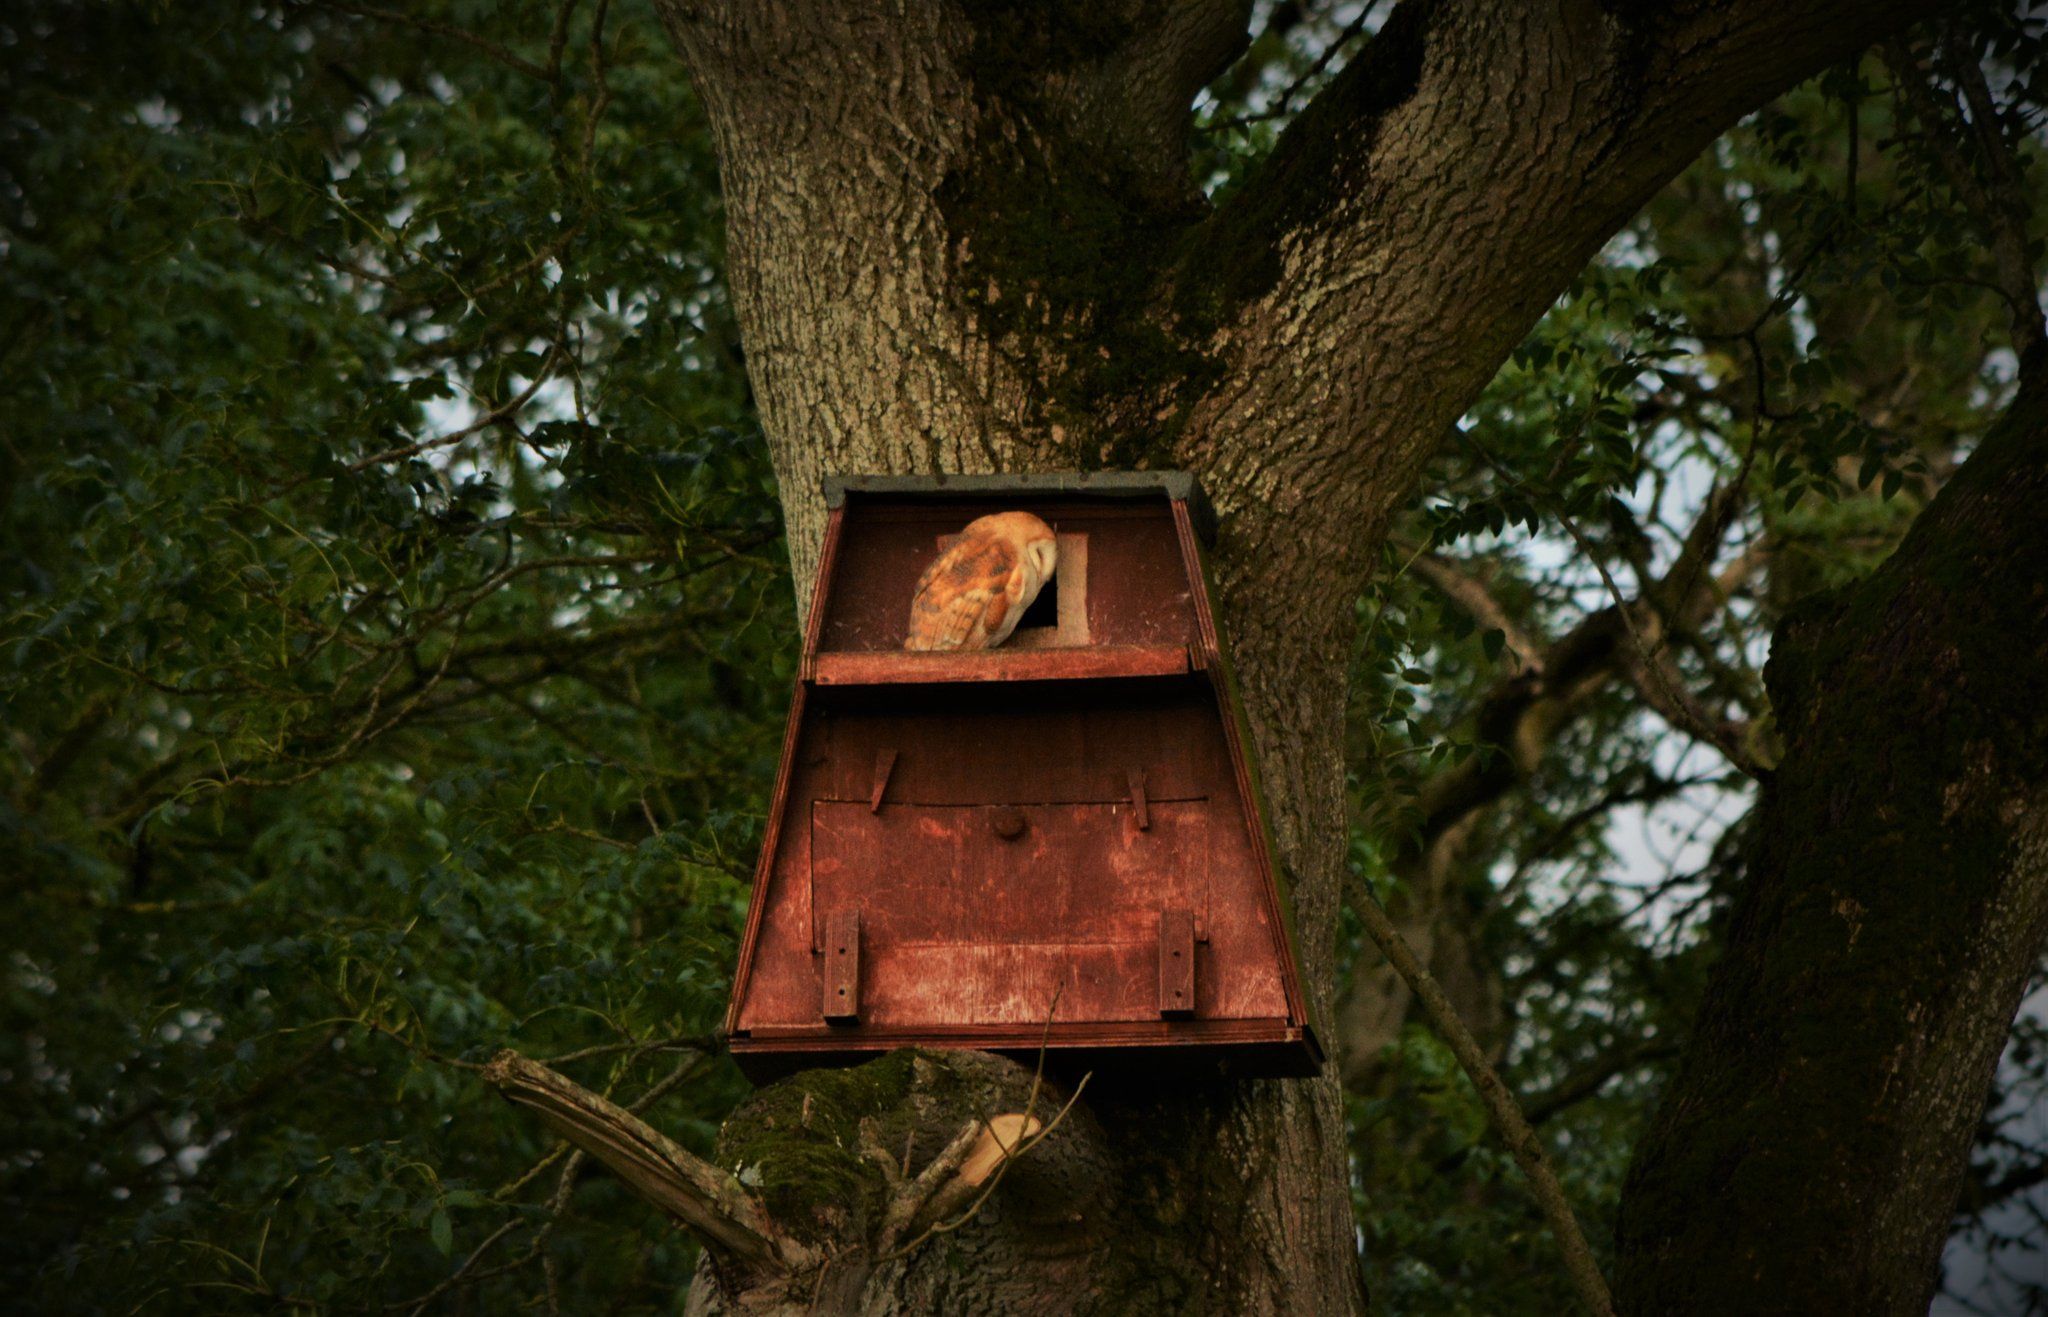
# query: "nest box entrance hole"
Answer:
x=1045 y=610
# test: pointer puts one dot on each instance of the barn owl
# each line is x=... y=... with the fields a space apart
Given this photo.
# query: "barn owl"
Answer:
x=973 y=595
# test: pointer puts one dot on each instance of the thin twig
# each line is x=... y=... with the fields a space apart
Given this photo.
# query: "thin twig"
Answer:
x=1508 y=1121
x=1676 y=705
x=940 y=1188
x=1283 y=104
x=449 y=30
x=1010 y=1156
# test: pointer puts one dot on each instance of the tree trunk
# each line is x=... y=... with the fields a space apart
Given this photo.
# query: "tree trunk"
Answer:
x=861 y=183
x=964 y=238
x=1809 y=1152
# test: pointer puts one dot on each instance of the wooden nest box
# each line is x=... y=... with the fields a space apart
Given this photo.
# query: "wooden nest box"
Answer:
x=964 y=846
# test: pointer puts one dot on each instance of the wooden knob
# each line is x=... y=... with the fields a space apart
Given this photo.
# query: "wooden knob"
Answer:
x=1009 y=822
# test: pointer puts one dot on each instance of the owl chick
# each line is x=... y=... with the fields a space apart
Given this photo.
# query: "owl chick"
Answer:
x=972 y=597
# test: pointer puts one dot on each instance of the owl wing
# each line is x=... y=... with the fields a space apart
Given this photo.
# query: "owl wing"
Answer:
x=963 y=597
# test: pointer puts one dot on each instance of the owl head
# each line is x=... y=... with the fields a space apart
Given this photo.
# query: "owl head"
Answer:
x=1031 y=537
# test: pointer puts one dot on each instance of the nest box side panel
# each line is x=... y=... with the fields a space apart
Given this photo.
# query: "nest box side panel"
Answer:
x=1278 y=906
x=772 y=990
x=777 y=983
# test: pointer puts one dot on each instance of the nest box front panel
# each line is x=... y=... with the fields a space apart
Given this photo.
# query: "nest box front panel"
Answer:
x=1008 y=840
x=966 y=746
x=985 y=934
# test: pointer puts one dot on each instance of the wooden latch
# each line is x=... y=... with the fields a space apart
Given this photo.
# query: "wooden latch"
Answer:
x=842 y=967
x=1138 y=802
x=885 y=764
x=1177 y=963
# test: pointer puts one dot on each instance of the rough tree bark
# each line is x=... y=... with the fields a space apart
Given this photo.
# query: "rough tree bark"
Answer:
x=963 y=237
x=1885 y=931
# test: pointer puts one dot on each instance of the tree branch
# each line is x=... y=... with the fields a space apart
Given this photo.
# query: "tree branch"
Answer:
x=1602 y=1070
x=1521 y=715
x=708 y=1201
x=1427 y=207
x=1523 y=712
x=1475 y=597
x=1514 y=1130
x=1658 y=680
x=1998 y=202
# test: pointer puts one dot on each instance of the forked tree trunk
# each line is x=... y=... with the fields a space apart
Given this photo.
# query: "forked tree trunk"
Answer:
x=1888 y=924
x=926 y=275
x=963 y=237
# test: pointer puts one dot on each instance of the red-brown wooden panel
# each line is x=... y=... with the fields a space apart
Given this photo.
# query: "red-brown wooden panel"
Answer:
x=1003 y=748
x=776 y=982
x=1076 y=874
x=1242 y=978
x=1013 y=984
x=964 y=927
x=937 y=986
x=1138 y=591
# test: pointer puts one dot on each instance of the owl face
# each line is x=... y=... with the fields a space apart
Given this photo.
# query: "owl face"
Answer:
x=973 y=596
x=1043 y=554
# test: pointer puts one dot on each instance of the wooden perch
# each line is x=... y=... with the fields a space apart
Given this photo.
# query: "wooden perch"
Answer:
x=710 y=1203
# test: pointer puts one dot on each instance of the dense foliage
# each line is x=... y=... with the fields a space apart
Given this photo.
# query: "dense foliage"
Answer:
x=397 y=632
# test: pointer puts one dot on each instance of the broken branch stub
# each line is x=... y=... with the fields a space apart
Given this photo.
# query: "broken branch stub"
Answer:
x=1002 y=1137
